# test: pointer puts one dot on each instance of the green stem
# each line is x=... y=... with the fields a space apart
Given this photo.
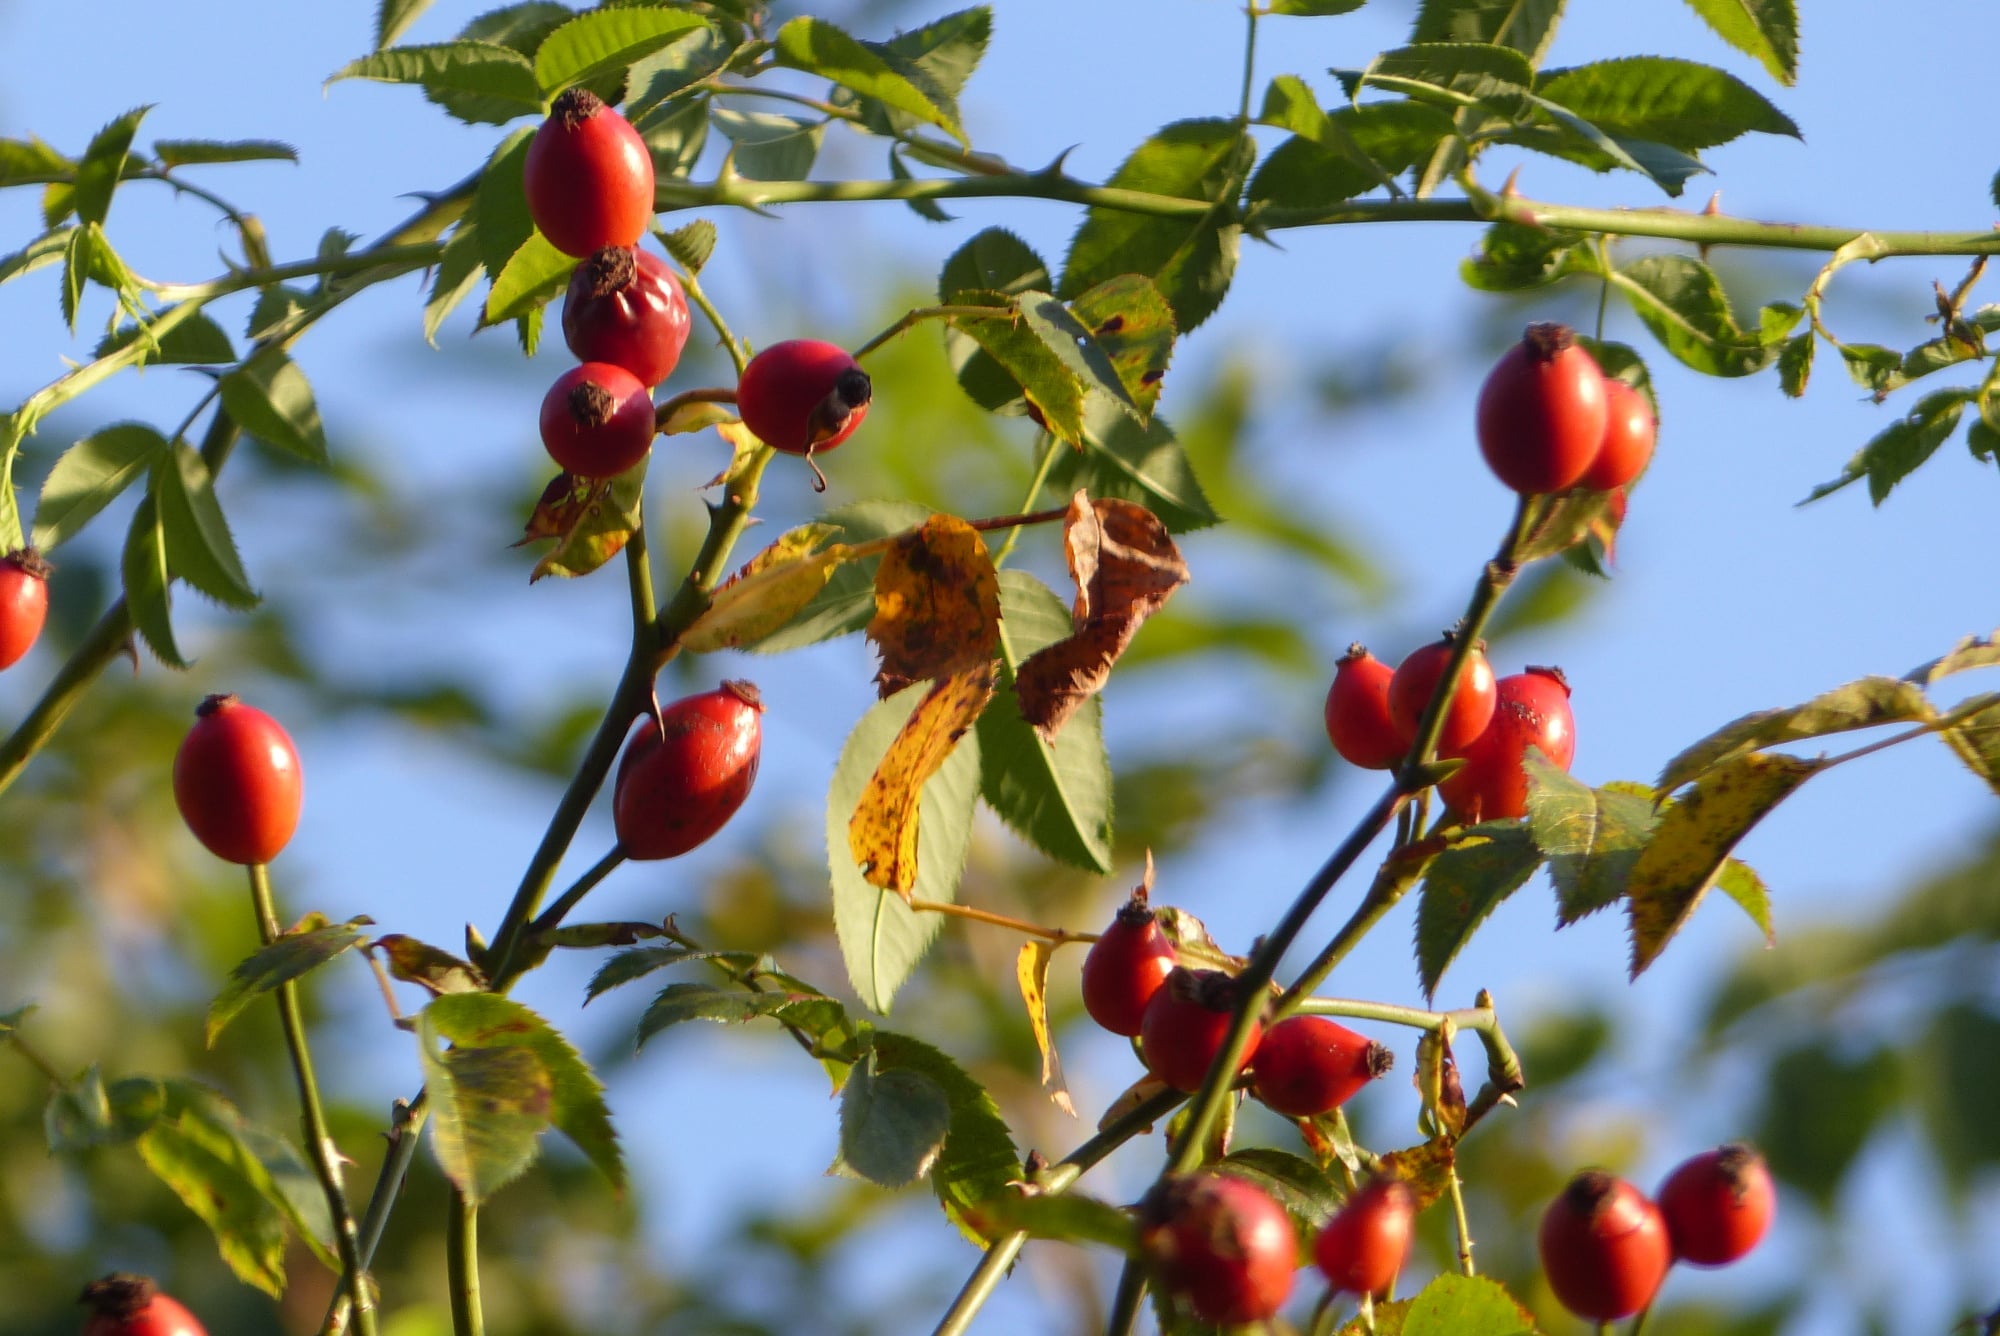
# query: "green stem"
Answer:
x=1125 y=1301
x=320 y=1146
x=35 y=1057
x=1457 y=1192
x=917 y=315
x=726 y=521
x=713 y=394
x=1035 y=485
x=406 y=1125
x=462 y=1267
x=1251 y=14
x=552 y=917
x=732 y=345
x=1639 y=1322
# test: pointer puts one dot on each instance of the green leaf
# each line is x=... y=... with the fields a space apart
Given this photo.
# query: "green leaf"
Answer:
x=192 y=340
x=1681 y=301
x=89 y=476
x=1336 y=156
x=1191 y=258
x=29 y=161
x=1513 y=256
x=1591 y=837
x=1527 y=26
x=1821 y=1105
x=1740 y=882
x=534 y=276
x=1767 y=30
x=656 y=87
x=892 y=1124
x=1668 y=168
x=993 y=261
x=601 y=41
x=679 y=1003
x=292 y=956
x=83 y=1114
x=881 y=938
x=1018 y=354
x=501 y=79
x=1960 y=1073
x=1130 y=322
x=500 y=210
x=1306 y=1191
x=848 y=601
x=488 y=1109
x=767 y=147
x=638 y=962
x=394 y=17
x=1976 y=741
x=1694 y=839
x=675 y=135
x=1056 y=796
x=818 y=47
x=185 y=152
x=1074 y=346
x=143 y=567
x=1865 y=703
x=979 y=1160
x=1463 y=884
x=1970 y=653
x=271 y=399
x=1898 y=450
x=938 y=58
x=691 y=245
x=1071 y=1217
x=43 y=250
x=1678 y=103
x=103 y=163
x=1453 y=1305
x=1451 y=75
x=200 y=548
x=1146 y=464
x=459 y=270
x=1313 y=8
x=1795 y=364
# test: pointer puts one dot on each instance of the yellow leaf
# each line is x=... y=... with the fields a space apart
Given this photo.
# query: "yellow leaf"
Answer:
x=768 y=591
x=882 y=836
x=937 y=604
x=1031 y=971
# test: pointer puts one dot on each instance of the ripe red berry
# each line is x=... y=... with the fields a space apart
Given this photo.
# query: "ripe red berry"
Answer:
x=1629 y=429
x=625 y=307
x=803 y=396
x=1357 y=712
x=1532 y=711
x=1364 y=1245
x=237 y=781
x=1542 y=411
x=1126 y=966
x=1309 y=1065
x=24 y=603
x=1185 y=1025
x=682 y=778
x=1416 y=680
x=1220 y=1243
x=597 y=420
x=1718 y=1205
x=588 y=176
x=125 y=1305
x=1604 y=1247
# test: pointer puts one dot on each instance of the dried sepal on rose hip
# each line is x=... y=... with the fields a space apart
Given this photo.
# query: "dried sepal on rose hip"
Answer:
x=122 y=1304
x=588 y=176
x=1220 y=1244
x=624 y=306
x=24 y=603
x=1126 y=965
x=237 y=781
x=1604 y=1247
x=597 y=420
x=685 y=774
x=1542 y=412
x=1718 y=1204
x=1187 y=1021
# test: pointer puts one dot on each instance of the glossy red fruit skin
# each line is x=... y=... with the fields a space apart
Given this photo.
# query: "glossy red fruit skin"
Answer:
x=1604 y=1247
x=597 y=420
x=1221 y=1244
x=624 y=306
x=1532 y=711
x=1629 y=431
x=24 y=603
x=1415 y=681
x=1541 y=413
x=237 y=781
x=803 y=396
x=1357 y=712
x=1363 y=1247
x=1185 y=1025
x=125 y=1305
x=1309 y=1065
x=681 y=779
x=1126 y=966
x=1718 y=1205
x=588 y=176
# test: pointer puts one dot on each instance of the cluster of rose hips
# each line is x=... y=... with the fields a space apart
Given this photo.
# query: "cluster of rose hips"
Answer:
x=1606 y=1248
x=1549 y=419
x=1372 y=712
x=128 y=1305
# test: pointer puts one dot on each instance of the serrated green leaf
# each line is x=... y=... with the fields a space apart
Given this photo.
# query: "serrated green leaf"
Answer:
x=29 y=161
x=1074 y=346
x=892 y=1124
x=394 y=17
x=818 y=47
x=1681 y=301
x=1795 y=364
x=1767 y=30
x=1465 y=883
x=1898 y=450
x=1191 y=258
x=1591 y=837
x=691 y=245
x=1071 y=1217
x=1864 y=703
x=533 y=276
x=191 y=340
x=271 y=399
x=501 y=78
x=1667 y=167
x=1056 y=796
x=767 y=147
x=675 y=135
x=679 y=1003
x=602 y=41
x=1130 y=322
x=848 y=601
x=89 y=475
x=102 y=164
x=293 y=955
x=43 y=250
x=200 y=548
x=636 y=963
x=1527 y=26
x=1693 y=841
x=1454 y=1305
x=143 y=567
x=1336 y=156
x=1051 y=388
x=459 y=270
x=979 y=1160
x=881 y=938
x=186 y=152
x=938 y=58
x=1976 y=741
x=1146 y=464
x=993 y=261
x=657 y=81
x=1451 y=75
x=1679 y=103
x=1513 y=256
x=489 y=1107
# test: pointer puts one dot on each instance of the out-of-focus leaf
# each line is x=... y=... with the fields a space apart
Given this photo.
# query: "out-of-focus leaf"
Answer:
x=295 y=954
x=892 y=1124
x=1820 y=1108
x=193 y=340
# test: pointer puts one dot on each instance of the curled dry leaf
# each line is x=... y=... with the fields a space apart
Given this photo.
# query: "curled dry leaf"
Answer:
x=882 y=834
x=1126 y=567
x=1031 y=971
x=590 y=521
x=937 y=604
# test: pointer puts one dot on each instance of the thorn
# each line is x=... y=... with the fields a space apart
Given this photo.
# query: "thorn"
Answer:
x=1512 y=189
x=1714 y=205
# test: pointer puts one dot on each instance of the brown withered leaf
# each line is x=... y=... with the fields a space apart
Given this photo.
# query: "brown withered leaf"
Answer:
x=1126 y=567
x=937 y=604
x=591 y=520
x=433 y=968
x=882 y=834
x=1426 y=1168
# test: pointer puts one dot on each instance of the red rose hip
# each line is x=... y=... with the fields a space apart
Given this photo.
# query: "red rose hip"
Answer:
x=1718 y=1205
x=237 y=781
x=1357 y=712
x=1363 y=1247
x=625 y=307
x=597 y=420
x=1629 y=430
x=588 y=176
x=683 y=776
x=1604 y=1247
x=127 y=1305
x=1126 y=966
x=1416 y=680
x=1221 y=1244
x=1186 y=1023
x=24 y=603
x=1542 y=412
x=1532 y=710
x=1309 y=1065
x=803 y=396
